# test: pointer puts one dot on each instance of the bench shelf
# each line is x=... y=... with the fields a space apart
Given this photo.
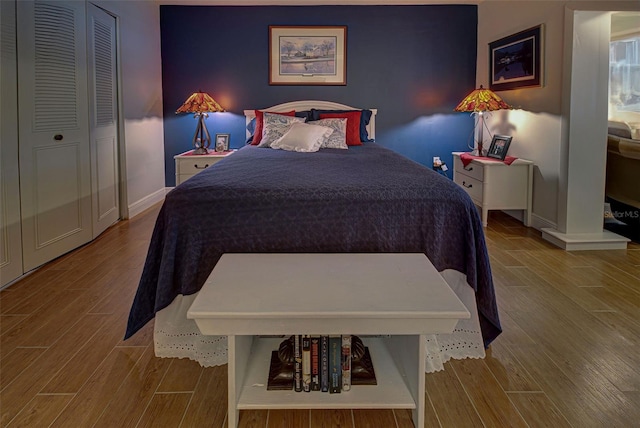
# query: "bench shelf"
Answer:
x=400 y=297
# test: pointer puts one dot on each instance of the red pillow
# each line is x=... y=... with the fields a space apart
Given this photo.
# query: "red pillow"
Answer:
x=257 y=134
x=353 y=125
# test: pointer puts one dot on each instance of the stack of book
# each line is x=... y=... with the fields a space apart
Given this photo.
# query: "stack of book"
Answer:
x=322 y=363
x=327 y=363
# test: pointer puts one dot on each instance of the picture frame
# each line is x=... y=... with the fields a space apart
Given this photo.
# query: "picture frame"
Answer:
x=499 y=147
x=307 y=55
x=516 y=61
x=222 y=142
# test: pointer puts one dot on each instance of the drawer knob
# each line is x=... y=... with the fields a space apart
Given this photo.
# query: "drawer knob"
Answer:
x=467 y=169
x=202 y=167
x=468 y=186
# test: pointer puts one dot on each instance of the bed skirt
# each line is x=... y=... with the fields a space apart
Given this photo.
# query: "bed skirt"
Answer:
x=175 y=336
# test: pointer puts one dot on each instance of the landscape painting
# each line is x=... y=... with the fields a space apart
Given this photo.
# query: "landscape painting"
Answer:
x=516 y=61
x=307 y=55
x=301 y=55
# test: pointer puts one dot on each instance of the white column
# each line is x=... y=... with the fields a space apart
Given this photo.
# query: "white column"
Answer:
x=584 y=135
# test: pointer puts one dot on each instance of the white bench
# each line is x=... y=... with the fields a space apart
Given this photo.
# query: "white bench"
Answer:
x=398 y=296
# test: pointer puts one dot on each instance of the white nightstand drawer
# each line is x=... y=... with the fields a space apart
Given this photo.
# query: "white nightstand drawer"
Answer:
x=194 y=166
x=472 y=170
x=472 y=186
x=188 y=164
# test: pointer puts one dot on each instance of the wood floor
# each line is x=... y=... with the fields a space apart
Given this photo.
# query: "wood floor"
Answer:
x=569 y=355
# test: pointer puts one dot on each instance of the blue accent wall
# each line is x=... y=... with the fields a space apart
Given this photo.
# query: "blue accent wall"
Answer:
x=413 y=63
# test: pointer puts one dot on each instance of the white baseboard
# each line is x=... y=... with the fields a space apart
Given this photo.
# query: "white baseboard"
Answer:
x=540 y=223
x=537 y=222
x=604 y=240
x=575 y=242
x=147 y=202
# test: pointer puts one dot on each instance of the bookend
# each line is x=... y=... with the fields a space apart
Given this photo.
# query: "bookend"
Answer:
x=362 y=372
x=282 y=365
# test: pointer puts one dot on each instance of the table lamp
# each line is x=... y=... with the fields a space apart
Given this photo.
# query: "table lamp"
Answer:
x=200 y=103
x=477 y=102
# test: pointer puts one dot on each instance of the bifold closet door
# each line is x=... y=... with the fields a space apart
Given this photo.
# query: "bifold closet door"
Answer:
x=10 y=239
x=103 y=117
x=55 y=173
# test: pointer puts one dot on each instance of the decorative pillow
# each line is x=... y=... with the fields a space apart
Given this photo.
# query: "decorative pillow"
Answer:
x=365 y=118
x=338 y=138
x=353 y=125
x=257 y=133
x=302 y=137
x=275 y=126
x=251 y=126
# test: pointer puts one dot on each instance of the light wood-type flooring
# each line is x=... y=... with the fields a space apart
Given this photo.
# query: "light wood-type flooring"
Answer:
x=569 y=355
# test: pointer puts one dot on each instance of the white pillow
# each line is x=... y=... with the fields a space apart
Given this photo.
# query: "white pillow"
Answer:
x=275 y=126
x=338 y=139
x=303 y=137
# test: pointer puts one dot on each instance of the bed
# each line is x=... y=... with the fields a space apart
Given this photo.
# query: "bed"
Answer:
x=363 y=199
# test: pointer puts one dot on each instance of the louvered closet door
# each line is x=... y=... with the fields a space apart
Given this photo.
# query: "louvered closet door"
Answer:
x=55 y=175
x=10 y=239
x=103 y=124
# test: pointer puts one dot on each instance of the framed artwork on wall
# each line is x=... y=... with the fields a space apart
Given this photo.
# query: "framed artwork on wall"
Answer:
x=516 y=61
x=307 y=55
x=499 y=147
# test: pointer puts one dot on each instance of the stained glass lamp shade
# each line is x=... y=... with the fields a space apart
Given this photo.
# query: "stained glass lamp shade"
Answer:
x=477 y=102
x=200 y=104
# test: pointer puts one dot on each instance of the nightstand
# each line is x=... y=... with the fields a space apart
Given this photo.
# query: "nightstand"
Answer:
x=494 y=185
x=188 y=164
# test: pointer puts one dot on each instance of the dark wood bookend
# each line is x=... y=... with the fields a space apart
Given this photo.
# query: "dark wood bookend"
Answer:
x=281 y=367
x=280 y=374
x=362 y=372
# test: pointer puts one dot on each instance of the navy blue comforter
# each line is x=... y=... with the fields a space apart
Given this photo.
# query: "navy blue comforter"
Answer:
x=365 y=199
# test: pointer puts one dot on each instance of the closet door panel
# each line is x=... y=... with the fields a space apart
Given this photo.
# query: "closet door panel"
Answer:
x=106 y=183
x=10 y=237
x=55 y=171
x=64 y=210
x=103 y=118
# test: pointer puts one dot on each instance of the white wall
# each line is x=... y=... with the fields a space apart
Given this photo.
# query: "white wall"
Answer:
x=141 y=98
x=538 y=127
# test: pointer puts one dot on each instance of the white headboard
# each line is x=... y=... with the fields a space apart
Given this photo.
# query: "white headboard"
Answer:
x=318 y=105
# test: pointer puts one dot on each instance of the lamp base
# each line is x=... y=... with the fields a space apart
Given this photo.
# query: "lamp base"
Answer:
x=201 y=138
x=200 y=151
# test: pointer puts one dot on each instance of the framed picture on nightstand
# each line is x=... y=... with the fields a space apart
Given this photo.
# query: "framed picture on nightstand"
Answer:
x=499 y=146
x=222 y=142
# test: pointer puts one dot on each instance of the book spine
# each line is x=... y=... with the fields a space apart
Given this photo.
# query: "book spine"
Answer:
x=335 y=364
x=346 y=362
x=324 y=363
x=315 y=363
x=297 y=363
x=306 y=363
